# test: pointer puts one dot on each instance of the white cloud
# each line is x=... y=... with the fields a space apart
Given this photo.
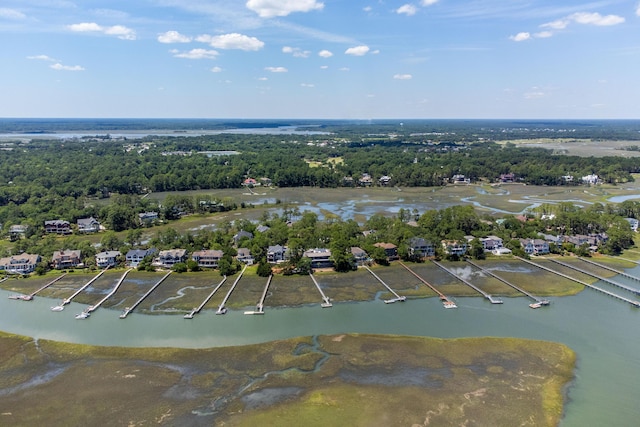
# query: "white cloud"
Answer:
x=324 y=67
x=638 y=9
x=596 y=19
x=58 y=66
x=196 y=54
x=367 y=8
x=325 y=53
x=403 y=76
x=428 y=2
x=173 y=37
x=273 y=8
x=42 y=58
x=344 y=69
x=276 y=69
x=120 y=31
x=534 y=93
x=11 y=14
x=216 y=70
x=407 y=9
x=357 y=50
x=520 y=37
x=543 y=34
x=307 y=85
x=263 y=79
x=232 y=41
x=296 y=52
x=559 y=24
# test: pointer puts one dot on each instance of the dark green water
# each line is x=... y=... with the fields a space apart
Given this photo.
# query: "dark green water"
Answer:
x=604 y=332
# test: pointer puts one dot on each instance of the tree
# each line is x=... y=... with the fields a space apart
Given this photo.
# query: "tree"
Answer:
x=264 y=268
x=110 y=241
x=180 y=267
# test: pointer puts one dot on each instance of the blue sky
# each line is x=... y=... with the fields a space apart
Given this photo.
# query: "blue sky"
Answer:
x=342 y=59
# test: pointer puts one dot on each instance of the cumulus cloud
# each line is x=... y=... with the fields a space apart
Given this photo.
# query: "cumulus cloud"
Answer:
x=559 y=24
x=543 y=34
x=273 y=8
x=7 y=13
x=42 y=58
x=276 y=69
x=407 y=9
x=325 y=53
x=428 y=2
x=520 y=37
x=232 y=41
x=216 y=70
x=638 y=9
x=596 y=19
x=58 y=66
x=196 y=54
x=296 y=52
x=403 y=76
x=173 y=37
x=357 y=50
x=119 y=31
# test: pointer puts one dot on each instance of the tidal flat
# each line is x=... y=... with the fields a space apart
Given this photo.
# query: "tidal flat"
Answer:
x=347 y=379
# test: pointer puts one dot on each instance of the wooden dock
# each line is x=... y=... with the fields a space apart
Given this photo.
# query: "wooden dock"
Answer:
x=94 y=307
x=595 y=288
x=595 y=276
x=445 y=300
x=206 y=300
x=128 y=310
x=492 y=299
x=326 y=302
x=537 y=302
x=387 y=301
x=260 y=306
x=606 y=267
x=30 y=296
x=222 y=309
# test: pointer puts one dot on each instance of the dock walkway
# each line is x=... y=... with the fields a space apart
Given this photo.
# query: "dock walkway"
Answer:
x=128 y=310
x=604 y=279
x=606 y=267
x=30 y=296
x=199 y=308
x=222 y=309
x=595 y=288
x=94 y=307
x=445 y=300
x=326 y=302
x=260 y=306
x=387 y=301
x=492 y=299
x=506 y=282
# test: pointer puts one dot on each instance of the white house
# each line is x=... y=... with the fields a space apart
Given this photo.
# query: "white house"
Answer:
x=20 y=264
x=107 y=258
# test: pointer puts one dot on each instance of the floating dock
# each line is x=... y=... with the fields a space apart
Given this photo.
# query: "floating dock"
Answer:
x=206 y=300
x=222 y=309
x=94 y=307
x=604 y=279
x=537 y=302
x=387 y=301
x=30 y=296
x=445 y=300
x=326 y=301
x=595 y=288
x=260 y=307
x=492 y=299
x=128 y=310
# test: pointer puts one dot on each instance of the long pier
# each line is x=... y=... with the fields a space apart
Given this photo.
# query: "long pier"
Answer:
x=128 y=310
x=387 y=301
x=604 y=279
x=206 y=300
x=260 y=307
x=326 y=301
x=445 y=300
x=85 y=286
x=222 y=309
x=595 y=288
x=536 y=301
x=606 y=267
x=30 y=296
x=94 y=307
x=492 y=299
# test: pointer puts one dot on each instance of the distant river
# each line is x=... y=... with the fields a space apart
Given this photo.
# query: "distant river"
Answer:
x=604 y=332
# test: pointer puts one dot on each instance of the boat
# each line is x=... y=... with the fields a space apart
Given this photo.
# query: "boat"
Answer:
x=450 y=304
x=82 y=315
x=57 y=308
x=537 y=304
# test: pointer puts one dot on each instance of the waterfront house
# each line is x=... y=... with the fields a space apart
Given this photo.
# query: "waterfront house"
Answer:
x=208 y=258
x=491 y=243
x=535 y=246
x=360 y=256
x=365 y=180
x=276 y=254
x=17 y=231
x=57 y=226
x=66 y=259
x=421 y=248
x=244 y=256
x=240 y=235
x=20 y=264
x=633 y=223
x=147 y=218
x=107 y=258
x=169 y=258
x=320 y=258
x=390 y=250
x=454 y=247
x=88 y=225
x=135 y=256
x=262 y=228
